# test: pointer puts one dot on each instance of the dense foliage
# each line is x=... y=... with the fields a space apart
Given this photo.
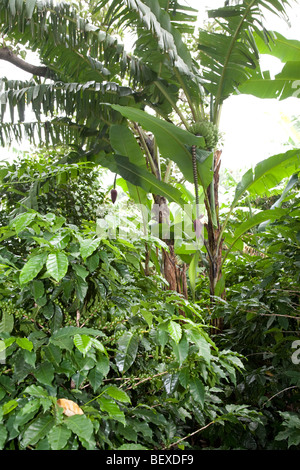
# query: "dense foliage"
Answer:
x=80 y=321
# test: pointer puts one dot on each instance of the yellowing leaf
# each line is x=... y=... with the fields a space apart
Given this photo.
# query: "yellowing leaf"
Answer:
x=70 y=408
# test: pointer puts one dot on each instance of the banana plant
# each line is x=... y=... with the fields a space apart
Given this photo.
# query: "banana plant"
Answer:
x=143 y=112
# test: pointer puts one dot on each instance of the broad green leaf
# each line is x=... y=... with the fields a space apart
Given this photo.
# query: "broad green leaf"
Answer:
x=44 y=373
x=175 y=331
x=172 y=141
x=83 y=343
x=112 y=408
x=36 y=391
x=267 y=174
x=23 y=220
x=37 y=430
x=81 y=426
x=38 y=289
x=9 y=406
x=124 y=143
x=63 y=337
x=32 y=268
x=286 y=83
x=30 y=5
x=204 y=347
x=139 y=176
x=103 y=365
x=57 y=265
x=80 y=271
x=281 y=47
x=4 y=345
x=197 y=390
x=95 y=378
x=117 y=394
x=24 y=343
x=98 y=345
x=181 y=350
x=170 y=381
x=88 y=246
x=7 y=322
x=59 y=436
x=127 y=350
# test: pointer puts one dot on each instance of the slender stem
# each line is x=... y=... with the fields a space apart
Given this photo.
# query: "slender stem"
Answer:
x=174 y=106
x=168 y=171
x=148 y=154
x=183 y=86
x=191 y=434
x=281 y=391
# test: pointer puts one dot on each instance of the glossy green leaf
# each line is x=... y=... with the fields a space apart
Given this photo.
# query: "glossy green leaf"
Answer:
x=32 y=268
x=6 y=343
x=9 y=406
x=36 y=391
x=24 y=343
x=57 y=265
x=195 y=336
x=59 y=436
x=175 y=331
x=127 y=350
x=98 y=345
x=112 y=408
x=83 y=343
x=88 y=246
x=117 y=394
x=181 y=350
x=197 y=390
x=37 y=430
x=23 y=220
x=81 y=426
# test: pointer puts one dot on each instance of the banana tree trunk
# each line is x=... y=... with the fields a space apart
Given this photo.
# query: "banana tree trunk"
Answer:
x=214 y=245
x=173 y=271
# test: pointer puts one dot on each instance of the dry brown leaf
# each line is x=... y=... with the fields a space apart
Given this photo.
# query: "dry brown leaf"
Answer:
x=70 y=407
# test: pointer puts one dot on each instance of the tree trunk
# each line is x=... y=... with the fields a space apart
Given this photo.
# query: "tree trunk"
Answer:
x=174 y=273
x=215 y=250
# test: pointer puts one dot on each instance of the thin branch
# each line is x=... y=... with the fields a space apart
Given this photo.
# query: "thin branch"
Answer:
x=9 y=56
x=278 y=393
x=147 y=378
x=192 y=434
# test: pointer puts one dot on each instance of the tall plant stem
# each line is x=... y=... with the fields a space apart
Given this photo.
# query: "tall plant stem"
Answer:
x=174 y=106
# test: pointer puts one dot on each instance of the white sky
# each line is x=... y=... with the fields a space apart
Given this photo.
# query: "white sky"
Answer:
x=253 y=129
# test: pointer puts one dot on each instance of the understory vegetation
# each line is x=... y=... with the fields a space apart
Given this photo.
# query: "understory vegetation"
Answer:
x=80 y=320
